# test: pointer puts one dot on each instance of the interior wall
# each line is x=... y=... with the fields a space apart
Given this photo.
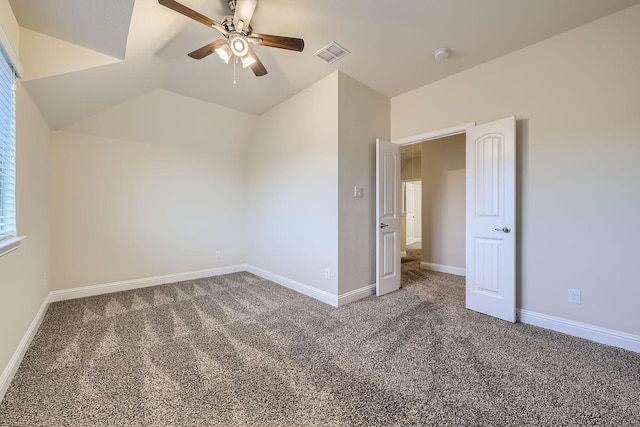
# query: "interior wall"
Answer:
x=9 y=24
x=292 y=202
x=363 y=117
x=411 y=167
x=146 y=189
x=443 y=201
x=577 y=100
x=25 y=271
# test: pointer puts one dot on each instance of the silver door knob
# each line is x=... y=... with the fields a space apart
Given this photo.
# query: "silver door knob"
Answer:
x=383 y=225
x=504 y=229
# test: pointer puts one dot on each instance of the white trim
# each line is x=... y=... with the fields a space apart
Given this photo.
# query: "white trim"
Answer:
x=582 y=330
x=107 y=288
x=453 y=130
x=443 y=268
x=16 y=359
x=356 y=294
x=10 y=244
x=307 y=290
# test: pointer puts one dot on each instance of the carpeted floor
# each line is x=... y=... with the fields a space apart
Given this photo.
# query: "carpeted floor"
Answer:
x=237 y=350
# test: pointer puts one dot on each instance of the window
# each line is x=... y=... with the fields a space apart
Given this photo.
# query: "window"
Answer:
x=8 y=240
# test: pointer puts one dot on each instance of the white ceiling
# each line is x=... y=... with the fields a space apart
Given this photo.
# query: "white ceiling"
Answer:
x=101 y=25
x=391 y=45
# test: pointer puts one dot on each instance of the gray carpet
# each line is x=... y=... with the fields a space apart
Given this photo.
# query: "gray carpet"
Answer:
x=237 y=350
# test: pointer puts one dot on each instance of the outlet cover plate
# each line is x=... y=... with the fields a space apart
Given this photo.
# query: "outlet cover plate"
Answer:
x=574 y=296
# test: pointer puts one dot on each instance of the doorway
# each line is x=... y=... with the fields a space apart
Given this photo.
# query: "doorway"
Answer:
x=490 y=214
x=434 y=204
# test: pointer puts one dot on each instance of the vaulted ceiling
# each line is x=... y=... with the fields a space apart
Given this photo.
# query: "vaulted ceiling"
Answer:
x=83 y=56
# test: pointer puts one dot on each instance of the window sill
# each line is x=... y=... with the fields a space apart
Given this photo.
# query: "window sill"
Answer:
x=10 y=244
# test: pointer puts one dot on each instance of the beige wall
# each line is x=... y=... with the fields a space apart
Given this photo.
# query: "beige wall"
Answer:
x=44 y=56
x=124 y=208
x=577 y=99
x=9 y=33
x=363 y=117
x=24 y=272
x=411 y=167
x=443 y=201
x=292 y=215
x=306 y=157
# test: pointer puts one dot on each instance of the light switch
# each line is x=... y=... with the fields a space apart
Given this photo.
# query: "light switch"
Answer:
x=358 y=192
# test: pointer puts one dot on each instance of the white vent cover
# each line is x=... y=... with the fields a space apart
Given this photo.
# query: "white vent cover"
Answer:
x=331 y=53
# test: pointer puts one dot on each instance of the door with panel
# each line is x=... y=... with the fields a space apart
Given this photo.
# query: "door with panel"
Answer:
x=490 y=219
x=388 y=187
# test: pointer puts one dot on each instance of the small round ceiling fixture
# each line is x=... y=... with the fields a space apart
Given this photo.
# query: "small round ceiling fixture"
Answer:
x=442 y=53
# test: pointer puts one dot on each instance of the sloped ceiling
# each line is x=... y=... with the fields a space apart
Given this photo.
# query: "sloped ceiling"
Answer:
x=391 y=46
x=100 y=25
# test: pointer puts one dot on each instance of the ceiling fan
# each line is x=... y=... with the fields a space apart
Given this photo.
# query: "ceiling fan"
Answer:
x=238 y=35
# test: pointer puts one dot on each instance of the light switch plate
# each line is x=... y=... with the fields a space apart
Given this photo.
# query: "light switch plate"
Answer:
x=358 y=192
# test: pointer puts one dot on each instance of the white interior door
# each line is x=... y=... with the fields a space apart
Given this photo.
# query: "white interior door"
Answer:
x=388 y=187
x=417 y=211
x=410 y=209
x=490 y=219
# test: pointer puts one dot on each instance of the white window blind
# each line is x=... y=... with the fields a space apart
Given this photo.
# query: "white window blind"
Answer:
x=7 y=150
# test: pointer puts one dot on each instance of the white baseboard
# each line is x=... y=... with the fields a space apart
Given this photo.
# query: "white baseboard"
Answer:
x=307 y=290
x=443 y=268
x=356 y=295
x=126 y=285
x=16 y=358
x=582 y=330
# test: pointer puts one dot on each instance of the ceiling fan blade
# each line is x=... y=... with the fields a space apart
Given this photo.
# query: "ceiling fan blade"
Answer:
x=207 y=50
x=244 y=12
x=280 y=42
x=257 y=67
x=180 y=8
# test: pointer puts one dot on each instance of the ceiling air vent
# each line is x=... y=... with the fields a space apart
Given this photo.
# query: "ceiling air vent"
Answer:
x=331 y=53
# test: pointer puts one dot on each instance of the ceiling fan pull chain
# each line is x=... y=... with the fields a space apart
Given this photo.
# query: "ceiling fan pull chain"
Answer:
x=235 y=61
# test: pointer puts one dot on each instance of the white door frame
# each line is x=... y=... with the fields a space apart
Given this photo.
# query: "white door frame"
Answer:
x=453 y=130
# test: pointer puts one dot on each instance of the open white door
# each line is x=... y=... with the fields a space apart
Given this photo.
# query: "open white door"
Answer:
x=490 y=219
x=409 y=209
x=388 y=217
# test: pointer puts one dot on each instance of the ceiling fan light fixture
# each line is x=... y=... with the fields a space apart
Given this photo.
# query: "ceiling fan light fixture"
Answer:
x=237 y=34
x=248 y=61
x=224 y=52
x=239 y=45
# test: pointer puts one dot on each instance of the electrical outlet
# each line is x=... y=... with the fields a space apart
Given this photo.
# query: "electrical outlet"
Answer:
x=574 y=296
x=218 y=255
x=327 y=273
